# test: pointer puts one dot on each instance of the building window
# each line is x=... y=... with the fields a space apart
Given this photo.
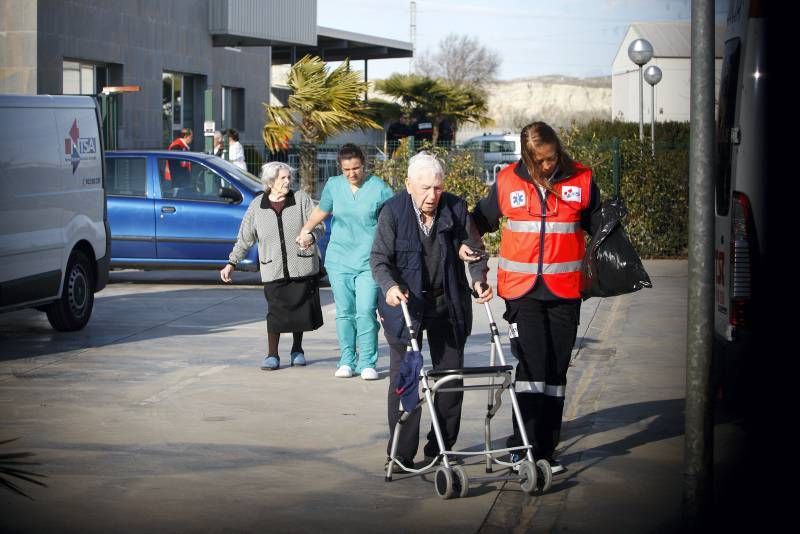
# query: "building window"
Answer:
x=177 y=104
x=233 y=108
x=82 y=78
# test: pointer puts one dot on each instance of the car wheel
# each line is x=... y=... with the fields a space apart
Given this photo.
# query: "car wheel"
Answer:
x=72 y=311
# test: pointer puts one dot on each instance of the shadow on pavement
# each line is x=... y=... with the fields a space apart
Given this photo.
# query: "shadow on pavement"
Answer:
x=121 y=318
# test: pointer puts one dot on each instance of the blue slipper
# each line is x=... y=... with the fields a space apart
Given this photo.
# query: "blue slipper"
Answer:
x=298 y=358
x=270 y=363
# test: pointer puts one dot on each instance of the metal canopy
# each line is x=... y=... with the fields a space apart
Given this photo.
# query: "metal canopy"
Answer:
x=337 y=45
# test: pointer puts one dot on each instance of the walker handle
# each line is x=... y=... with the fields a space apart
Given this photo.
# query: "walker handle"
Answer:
x=406 y=315
x=484 y=287
x=411 y=333
x=494 y=331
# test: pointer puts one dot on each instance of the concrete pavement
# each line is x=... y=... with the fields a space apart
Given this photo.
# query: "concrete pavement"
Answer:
x=156 y=417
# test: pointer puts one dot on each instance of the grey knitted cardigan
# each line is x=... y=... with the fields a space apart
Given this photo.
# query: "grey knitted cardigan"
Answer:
x=278 y=254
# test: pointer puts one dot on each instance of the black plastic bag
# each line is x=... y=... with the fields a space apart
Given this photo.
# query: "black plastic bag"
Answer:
x=611 y=266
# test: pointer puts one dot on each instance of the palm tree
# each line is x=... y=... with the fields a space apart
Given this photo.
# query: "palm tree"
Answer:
x=322 y=104
x=12 y=466
x=437 y=100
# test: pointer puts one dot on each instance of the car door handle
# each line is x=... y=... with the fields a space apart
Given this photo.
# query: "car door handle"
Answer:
x=167 y=209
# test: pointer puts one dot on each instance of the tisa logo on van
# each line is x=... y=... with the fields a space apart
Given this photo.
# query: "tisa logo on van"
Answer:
x=77 y=148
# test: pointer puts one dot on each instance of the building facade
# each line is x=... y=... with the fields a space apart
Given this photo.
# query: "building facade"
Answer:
x=672 y=54
x=192 y=60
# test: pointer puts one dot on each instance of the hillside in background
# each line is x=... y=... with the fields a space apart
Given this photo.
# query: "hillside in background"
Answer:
x=557 y=100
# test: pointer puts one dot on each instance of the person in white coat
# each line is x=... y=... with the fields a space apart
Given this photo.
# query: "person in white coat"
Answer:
x=235 y=150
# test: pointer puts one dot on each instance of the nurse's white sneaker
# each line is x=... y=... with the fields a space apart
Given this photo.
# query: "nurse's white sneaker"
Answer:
x=369 y=373
x=343 y=371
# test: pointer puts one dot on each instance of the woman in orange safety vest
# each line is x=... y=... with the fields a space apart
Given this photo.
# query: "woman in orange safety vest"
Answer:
x=547 y=199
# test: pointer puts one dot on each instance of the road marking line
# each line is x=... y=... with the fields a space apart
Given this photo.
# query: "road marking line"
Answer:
x=213 y=370
x=589 y=371
x=174 y=388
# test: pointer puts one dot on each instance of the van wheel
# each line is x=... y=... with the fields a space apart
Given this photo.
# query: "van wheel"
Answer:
x=73 y=310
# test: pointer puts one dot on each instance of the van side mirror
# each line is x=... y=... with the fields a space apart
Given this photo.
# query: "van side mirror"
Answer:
x=233 y=196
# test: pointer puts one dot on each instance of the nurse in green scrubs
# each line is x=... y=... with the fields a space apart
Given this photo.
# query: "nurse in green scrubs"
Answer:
x=354 y=198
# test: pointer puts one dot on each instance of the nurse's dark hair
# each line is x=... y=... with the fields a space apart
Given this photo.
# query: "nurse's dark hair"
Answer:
x=350 y=151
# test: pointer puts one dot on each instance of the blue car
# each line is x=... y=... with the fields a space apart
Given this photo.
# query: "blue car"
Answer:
x=176 y=210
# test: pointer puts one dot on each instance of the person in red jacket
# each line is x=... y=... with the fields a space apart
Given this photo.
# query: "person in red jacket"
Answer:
x=548 y=200
x=184 y=142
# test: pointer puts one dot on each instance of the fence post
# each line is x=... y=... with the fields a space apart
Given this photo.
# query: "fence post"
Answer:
x=617 y=165
x=208 y=116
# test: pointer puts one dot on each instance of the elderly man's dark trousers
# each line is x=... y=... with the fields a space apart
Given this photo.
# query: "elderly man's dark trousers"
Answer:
x=445 y=353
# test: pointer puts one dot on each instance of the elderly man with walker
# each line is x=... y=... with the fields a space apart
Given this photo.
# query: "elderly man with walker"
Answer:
x=424 y=234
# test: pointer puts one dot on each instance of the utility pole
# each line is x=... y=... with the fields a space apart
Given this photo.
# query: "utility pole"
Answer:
x=413 y=35
x=698 y=489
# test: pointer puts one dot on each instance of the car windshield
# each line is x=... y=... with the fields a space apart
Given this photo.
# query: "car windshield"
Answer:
x=250 y=181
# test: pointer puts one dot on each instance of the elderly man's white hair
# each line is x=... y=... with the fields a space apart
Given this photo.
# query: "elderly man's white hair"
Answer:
x=269 y=171
x=424 y=163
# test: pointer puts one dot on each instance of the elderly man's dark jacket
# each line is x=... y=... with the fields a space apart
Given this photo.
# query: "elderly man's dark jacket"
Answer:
x=402 y=263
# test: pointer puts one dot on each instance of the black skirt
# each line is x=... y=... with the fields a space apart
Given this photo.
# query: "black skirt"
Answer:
x=293 y=305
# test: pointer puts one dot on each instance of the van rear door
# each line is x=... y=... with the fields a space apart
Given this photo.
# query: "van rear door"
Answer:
x=726 y=139
x=31 y=210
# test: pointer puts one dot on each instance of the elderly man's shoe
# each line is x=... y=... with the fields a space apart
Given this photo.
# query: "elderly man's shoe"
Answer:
x=408 y=464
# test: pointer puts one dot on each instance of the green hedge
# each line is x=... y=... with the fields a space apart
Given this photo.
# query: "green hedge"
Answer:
x=463 y=172
x=669 y=134
x=654 y=189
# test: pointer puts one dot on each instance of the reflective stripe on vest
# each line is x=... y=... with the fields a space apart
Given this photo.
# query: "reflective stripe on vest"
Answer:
x=521 y=386
x=531 y=268
x=549 y=227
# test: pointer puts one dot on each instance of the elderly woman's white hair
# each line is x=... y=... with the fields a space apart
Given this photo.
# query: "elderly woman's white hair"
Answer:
x=269 y=171
x=424 y=163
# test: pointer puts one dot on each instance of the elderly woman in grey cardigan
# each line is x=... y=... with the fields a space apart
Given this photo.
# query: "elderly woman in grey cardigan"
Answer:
x=290 y=274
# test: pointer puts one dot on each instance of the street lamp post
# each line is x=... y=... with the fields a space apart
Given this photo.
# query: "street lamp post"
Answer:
x=652 y=75
x=640 y=52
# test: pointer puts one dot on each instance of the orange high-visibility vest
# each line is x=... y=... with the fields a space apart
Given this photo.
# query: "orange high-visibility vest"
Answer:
x=539 y=240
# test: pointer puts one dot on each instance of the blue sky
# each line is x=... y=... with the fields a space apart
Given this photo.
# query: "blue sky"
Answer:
x=533 y=37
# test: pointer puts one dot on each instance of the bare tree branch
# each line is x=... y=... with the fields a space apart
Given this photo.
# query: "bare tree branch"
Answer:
x=461 y=60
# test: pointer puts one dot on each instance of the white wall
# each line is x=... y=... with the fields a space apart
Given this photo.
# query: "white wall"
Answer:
x=672 y=93
x=625 y=96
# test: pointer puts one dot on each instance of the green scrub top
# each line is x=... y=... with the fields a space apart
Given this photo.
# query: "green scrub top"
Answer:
x=355 y=218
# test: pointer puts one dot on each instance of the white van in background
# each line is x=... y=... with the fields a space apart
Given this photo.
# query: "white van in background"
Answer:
x=54 y=248
x=739 y=195
x=498 y=151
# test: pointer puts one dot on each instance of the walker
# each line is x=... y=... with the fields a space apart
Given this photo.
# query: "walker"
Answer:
x=534 y=476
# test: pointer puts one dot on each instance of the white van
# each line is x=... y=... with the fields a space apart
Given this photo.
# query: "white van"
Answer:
x=498 y=151
x=53 y=225
x=739 y=196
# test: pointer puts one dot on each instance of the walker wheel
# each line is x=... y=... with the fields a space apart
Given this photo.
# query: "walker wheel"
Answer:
x=443 y=482
x=545 y=475
x=461 y=481
x=527 y=472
